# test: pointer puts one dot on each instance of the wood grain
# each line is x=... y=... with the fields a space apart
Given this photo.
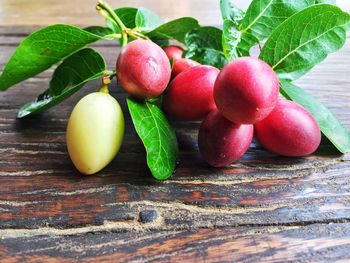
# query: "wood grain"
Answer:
x=263 y=207
x=312 y=243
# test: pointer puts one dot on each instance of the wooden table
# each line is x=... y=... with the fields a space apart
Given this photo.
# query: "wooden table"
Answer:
x=263 y=208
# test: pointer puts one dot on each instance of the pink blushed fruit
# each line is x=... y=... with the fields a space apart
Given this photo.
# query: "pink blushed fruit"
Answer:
x=222 y=142
x=246 y=90
x=143 y=69
x=290 y=130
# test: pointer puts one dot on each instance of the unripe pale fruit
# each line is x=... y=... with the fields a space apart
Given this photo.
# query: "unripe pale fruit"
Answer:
x=222 y=142
x=290 y=130
x=143 y=69
x=181 y=65
x=95 y=132
x=173 y=52
x=190 y=95
x=246 y=90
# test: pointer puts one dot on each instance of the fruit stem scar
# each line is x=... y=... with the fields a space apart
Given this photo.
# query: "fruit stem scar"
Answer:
x=105 y=82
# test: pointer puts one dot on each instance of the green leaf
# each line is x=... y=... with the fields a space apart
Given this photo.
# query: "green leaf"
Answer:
x=205 y=46
x=333 y=2
x=42 y=49
x=100 y=31
x=69 y=77
x=146 y=20
x=157 y=136
x=207 y=56
x=204 y=37
x=305 y=39
x=329 y=124
x=127 y=15
x=230 y=12
x=231 y=39
x=176 y=29
x=263 y=16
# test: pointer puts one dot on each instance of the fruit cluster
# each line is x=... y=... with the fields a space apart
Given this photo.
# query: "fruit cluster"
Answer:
x=236 y=102
x=214 y=80
x=243 y=97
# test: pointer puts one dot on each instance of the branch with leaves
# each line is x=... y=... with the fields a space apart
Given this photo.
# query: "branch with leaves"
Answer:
x=297 y=35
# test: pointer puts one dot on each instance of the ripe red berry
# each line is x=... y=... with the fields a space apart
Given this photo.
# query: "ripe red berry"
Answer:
x=289 y=130
x=143 y=69
x=222 y=142
x=246 y=90
x=173 y=52
x=190 y=94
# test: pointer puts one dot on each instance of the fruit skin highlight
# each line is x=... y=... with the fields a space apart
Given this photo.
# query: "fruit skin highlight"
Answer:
x=143 y=69
x=174 y=52
x=246 y=90
x=190 y=94
x=95 y=132
x=182 y=64
x=290 y=130
x=222 y=142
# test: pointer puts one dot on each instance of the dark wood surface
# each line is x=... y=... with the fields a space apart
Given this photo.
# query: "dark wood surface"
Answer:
x=263 y=208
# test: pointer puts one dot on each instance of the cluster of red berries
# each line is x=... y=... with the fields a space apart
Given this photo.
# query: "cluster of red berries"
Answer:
x=240 y=100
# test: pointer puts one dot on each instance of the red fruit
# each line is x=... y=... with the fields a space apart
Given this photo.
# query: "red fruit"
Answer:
x=289 y=130
x=173 y=52
x=181 y=65
x=246 y=90
x=143 y=69
x=222 y=142
x=190 y=95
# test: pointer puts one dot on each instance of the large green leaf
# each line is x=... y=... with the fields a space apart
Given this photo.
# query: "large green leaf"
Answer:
x=42 y=49
x=230 y=12
x=263 y=16
x=329 y=124
x=205 y=46
x=104 y=32
x=176 y=29
x=305 y=39
x=69 y=77
x=157 y=136
x=230 y=39
x=146 y=20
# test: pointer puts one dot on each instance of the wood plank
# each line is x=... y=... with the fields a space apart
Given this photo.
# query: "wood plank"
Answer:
x=310 y=243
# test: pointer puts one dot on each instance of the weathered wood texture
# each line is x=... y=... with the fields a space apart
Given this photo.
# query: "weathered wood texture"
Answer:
x=264 y=207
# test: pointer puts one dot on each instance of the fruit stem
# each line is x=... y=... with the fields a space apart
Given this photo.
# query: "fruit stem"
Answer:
x=105 y=83
x=101 y=5
x=133 y=33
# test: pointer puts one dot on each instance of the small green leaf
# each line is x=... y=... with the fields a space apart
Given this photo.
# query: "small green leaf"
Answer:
x=263 y=16
x=230 y=12
x=305 y=39
x=42 y=49
x=329 y=124
x=146 y=20
x=157 y=136
x=231 y=39
x=176 y=29
x=207 y=56
x=205 y=46
x=204 y=37
x=127 y=15
x=69 y=77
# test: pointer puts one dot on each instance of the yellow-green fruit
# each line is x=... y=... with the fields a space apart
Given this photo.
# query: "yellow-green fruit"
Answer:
x=95 y=132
